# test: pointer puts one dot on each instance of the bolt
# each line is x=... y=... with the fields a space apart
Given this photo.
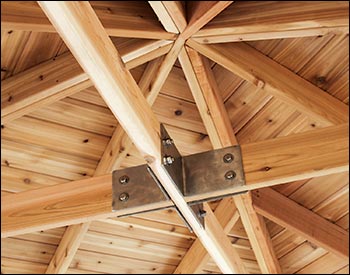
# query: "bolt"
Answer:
x=168 y=160
x=124 y=179
x=202 y=213
x=123 y=197
x=228 y=158
x=168 y=141
x=230 y=175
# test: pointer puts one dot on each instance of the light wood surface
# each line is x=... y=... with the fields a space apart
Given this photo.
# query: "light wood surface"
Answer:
x=118 y=18
x=255 y=20
x=129 y=107
x=276 y=80
x=296 y=218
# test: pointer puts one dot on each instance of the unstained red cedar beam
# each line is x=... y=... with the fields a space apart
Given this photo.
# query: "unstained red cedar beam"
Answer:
x=177 y=12
x=260 y=70
x=266 y=163
x=163 y=16
x=112 y=158
x=247 y=20
x=58 y=78
x=213 y=112
x=90 y=44
x=302 y=221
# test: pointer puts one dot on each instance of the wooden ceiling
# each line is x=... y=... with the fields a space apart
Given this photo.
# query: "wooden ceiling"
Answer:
x=56 y=128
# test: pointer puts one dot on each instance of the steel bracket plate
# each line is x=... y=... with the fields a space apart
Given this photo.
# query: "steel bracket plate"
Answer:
x=198 y=174
x=135 y=186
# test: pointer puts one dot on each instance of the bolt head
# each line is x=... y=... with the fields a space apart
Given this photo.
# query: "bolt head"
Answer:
x=202 y=213
x=124 y=179
x=168 y=160
x=230 y=175
x=124 y=197
x=168 y=141
x=228 y=158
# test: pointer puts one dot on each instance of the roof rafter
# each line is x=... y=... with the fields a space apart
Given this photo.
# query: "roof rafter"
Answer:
x=115 y=152
x=60 y=77
x=270 y=162
x=260 y=70
x=301 y=220
x=217 y=122
x=86 y=37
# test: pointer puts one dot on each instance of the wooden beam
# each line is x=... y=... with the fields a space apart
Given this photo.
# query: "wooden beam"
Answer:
x=197 y=70
x=27 y=16
x=84 y=34
x=197 y=257
x=115 y=152
x=246 y=20
x=258 y=69
x=177 y=12
x=163 y=16
x=199 y=13
x=67 y=248
x=60 y=77
x=266 y=163
x=302 y=221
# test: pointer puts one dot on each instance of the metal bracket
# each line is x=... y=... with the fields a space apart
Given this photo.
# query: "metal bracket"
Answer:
x=134 y=187
x=196 y=174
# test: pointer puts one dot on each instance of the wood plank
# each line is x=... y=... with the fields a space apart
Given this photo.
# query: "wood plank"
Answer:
x=254 y=20
x=119 y=18
x=266 y=163
x=140 y=123
x=276 y=80
x=326 y=264
x=217 y=122
x=107 y=263
x=58 y=78
x=14 y=266
x=301 y=220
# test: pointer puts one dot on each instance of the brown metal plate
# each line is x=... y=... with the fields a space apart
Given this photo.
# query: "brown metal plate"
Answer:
x=140 y=188
x=208 y=171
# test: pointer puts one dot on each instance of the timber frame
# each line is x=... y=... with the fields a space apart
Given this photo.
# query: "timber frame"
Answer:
x=94 y=60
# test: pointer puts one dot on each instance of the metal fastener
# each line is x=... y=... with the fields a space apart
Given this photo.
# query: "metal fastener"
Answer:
x=168 y=142
x=168 y=160
x=124 y=179
x=124 y=197
x=230 y=175
x=202 y=213
x=228 y=158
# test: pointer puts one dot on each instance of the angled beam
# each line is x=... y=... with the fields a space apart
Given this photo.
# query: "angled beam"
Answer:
x=90 y=44
x=246 y=20
x=199 y=13
x=119 y=145
x=215 y=117
x=163 y=16
x=67 y=248
x=177 y=12
x=197 y=256
x=27 y=16
x=256 y=68
x=302 y=221
x=207 y=100
x=60 y=77
x=266 y=163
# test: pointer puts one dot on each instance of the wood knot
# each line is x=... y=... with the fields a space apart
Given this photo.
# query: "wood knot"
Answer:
x=267 y=168
x=86 y=140
x=320 y=80
x=27 y=181
x=178 y=112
